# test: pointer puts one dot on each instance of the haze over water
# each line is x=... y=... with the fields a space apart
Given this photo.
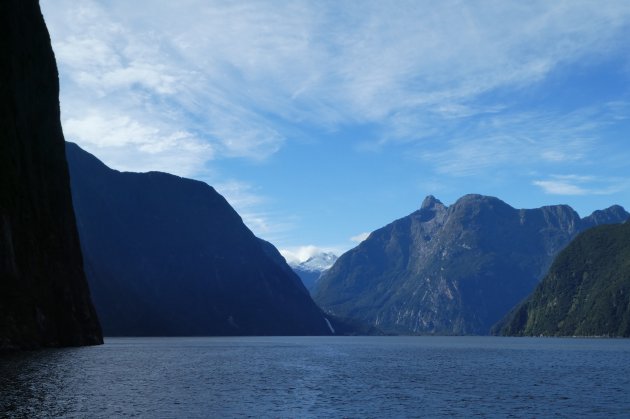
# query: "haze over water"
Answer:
x=322 y=377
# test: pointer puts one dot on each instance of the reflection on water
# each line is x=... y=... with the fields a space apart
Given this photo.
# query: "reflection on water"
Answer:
x=29 y=381
x=321 y=377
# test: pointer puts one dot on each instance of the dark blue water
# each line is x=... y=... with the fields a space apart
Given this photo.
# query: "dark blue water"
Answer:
x=322 y=377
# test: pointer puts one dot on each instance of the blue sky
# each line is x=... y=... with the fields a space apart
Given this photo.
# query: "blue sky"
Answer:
x=322 y=121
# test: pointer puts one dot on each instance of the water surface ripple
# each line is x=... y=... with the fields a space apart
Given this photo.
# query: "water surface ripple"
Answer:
x=354 y=377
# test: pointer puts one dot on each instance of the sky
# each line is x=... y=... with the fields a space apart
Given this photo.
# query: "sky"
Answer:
x=321 y=121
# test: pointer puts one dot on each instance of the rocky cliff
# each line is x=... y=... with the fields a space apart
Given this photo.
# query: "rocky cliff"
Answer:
x=44 y=298
x=585 y=293
x=168 y=256
x=451 y=270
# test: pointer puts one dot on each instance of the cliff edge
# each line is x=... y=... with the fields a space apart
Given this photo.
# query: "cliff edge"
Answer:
x=44 y=297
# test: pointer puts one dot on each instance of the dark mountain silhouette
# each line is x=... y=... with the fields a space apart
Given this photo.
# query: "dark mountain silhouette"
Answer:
x=169 y=256
x=451 y=270
x=44 y=298
x=585 y=293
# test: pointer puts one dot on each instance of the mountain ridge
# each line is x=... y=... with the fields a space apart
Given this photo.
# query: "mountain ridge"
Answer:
x=585 y=293
x=169 y=256
x=450 y=270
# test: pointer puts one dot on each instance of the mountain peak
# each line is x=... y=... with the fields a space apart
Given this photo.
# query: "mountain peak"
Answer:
x=169 y=256
x=454 y=270
x=608 y=215
x=430 y=202
x=318 y=262
x=312 y=269
x=477 y=198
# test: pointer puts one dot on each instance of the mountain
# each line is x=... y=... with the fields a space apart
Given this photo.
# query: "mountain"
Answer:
x=451 y=270
x=312 y=269
x=585 y=293
x=44 y=297
x=168 y=256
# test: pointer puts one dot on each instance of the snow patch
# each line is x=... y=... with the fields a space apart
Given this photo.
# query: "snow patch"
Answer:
x=316 y=262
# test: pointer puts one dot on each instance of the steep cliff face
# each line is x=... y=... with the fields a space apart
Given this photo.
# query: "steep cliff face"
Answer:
x=585 y=293
x=44 y=298
x=450 y=270
x=169 y=256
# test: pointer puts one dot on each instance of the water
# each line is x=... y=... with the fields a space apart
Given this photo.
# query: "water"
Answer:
x=321 y=377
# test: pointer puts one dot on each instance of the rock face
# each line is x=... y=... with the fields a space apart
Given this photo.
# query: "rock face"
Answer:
x=585 y=293
x=312 y=269
x=451 y=270
x=168 y=256
x=44 y=298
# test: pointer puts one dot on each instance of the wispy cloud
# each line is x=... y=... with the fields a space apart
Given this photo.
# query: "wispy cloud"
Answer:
x=125 y=143
x=253 y=207
x=176 y=85
x=508 y=139
x=560 y=187
x=359 y=237
x=580 y=185
x=242 y=71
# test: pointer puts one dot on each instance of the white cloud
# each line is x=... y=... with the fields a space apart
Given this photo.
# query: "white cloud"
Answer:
x=243 y=71
x=81 y=53
x=555 y=156
x=577 y=185
x=114 y=131
x=504 y=139
x=240 y=194
x=124 y=143
x=127 y=82
x=295 y=255
x=151 y=76
x=175 y=85
x=246 y=138
x=253 y=207
x=360 y=237
x=97 y=66
x=560 y=187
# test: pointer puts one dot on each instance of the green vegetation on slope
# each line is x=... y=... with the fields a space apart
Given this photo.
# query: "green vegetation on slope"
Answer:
x=585 y=293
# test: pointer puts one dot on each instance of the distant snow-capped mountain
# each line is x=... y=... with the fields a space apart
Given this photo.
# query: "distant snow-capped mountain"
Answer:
x=319 y=262
x=311 y=269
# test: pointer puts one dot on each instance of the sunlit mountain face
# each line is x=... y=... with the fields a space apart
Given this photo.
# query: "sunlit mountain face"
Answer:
x=454 y=269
